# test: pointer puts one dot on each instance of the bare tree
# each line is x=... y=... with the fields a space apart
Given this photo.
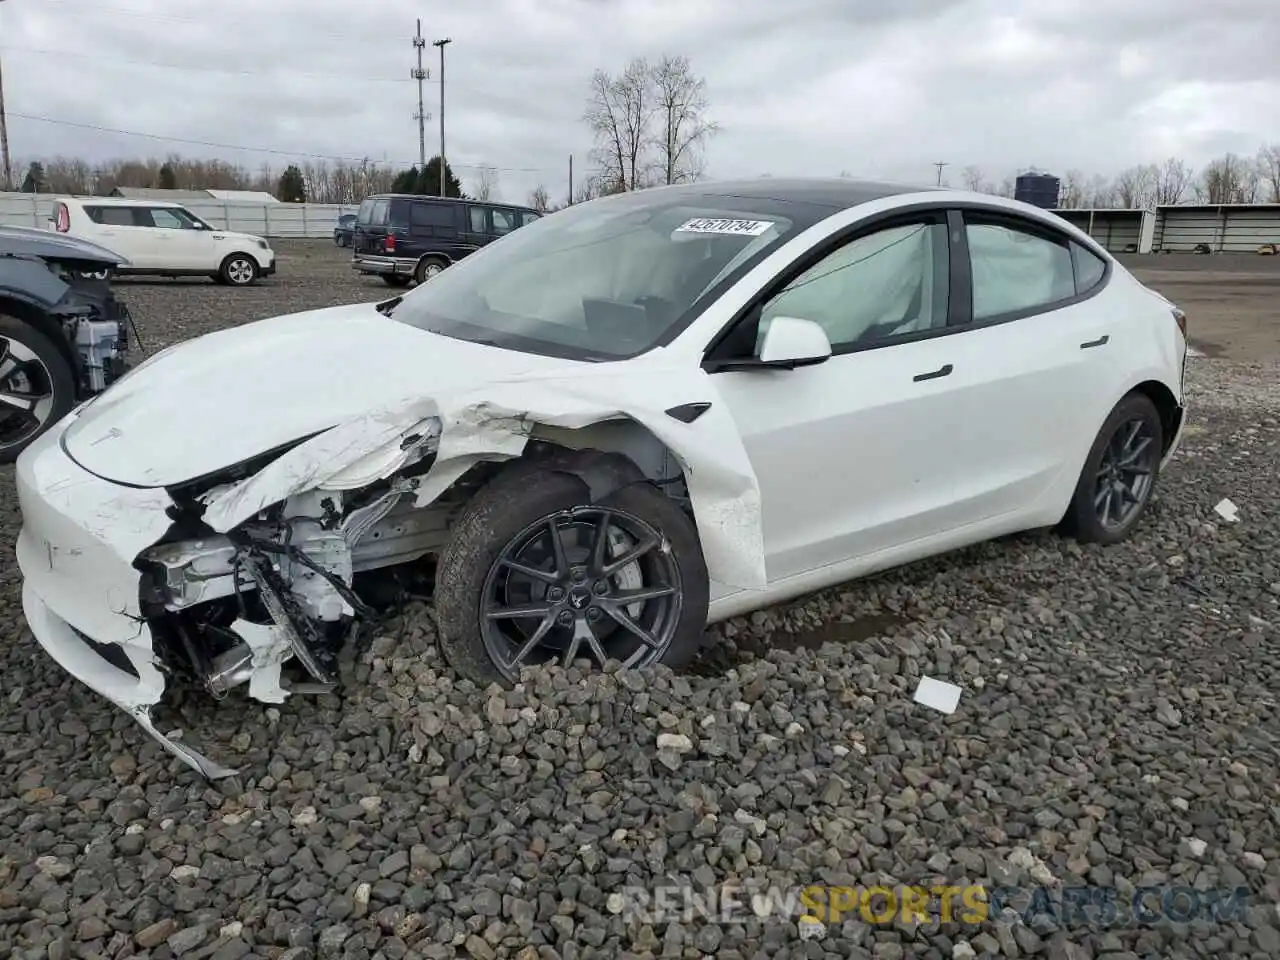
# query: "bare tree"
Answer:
x=1071 y=195
x=1135 y=187
x=649 y=124
x=1229 y=179
x=618 y=112
x=539 y=199
x=1173 y=179
x=682 y=117
x=1008 y=187
x=1099 y=193
x=974 y=180
x=487 y=184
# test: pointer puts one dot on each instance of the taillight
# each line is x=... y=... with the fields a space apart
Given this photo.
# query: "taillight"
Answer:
x=390 y=245
x=1180 y=319
x=64 y=218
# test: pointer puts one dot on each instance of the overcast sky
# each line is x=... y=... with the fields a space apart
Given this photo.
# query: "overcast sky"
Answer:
x=878 y=88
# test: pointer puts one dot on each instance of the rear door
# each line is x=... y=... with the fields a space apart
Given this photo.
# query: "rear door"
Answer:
x=434 y=226
x=502 y=220
x=370 y=232
x=477 y=227
x=1028 y=394
x=123 y=230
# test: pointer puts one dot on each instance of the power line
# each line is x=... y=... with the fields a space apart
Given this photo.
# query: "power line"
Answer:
x=134 y=14
x=198 y=68
x=247 y=149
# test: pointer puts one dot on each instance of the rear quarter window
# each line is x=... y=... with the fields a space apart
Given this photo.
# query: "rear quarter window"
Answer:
x=112 y=216
x=1089 y=268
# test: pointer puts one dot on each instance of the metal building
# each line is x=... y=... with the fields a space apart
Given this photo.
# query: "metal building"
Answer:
x=1222 y=228
x=1038 y=189
x=1119 y=231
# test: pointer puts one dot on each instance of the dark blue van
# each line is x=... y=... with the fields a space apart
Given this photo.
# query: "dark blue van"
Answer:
x=402 y=237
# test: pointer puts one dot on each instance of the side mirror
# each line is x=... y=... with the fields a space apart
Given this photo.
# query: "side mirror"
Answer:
x=792 y=342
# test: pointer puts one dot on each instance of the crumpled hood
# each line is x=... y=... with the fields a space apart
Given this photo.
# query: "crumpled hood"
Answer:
x=214 y=401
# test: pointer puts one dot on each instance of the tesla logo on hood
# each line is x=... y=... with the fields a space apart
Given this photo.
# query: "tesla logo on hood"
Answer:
x=112 y=434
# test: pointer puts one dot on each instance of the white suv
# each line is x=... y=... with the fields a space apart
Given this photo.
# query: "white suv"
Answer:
x=164 y=239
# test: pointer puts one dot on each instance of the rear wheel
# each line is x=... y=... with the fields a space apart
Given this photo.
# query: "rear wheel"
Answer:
x=37 y=386
x=1120 y=475
x=427 y=268
x=536 y=573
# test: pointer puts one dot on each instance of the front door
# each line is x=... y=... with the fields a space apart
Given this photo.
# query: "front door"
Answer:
x=856 y=454
x=178 y=243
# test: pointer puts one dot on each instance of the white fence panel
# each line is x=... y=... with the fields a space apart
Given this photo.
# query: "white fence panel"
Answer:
x=283 y=220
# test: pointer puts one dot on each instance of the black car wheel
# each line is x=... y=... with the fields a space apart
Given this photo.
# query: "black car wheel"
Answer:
x=537 y=574
x=239 y=270
x=37 y=386
x=427 y=268
x=1120 y=474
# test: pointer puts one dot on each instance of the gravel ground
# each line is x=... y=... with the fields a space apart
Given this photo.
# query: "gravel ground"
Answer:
x=1117 y=728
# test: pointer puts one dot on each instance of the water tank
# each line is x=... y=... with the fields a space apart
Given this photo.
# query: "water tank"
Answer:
x=1037 y=189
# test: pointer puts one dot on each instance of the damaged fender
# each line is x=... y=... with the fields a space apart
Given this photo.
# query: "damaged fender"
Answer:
x=494 y=422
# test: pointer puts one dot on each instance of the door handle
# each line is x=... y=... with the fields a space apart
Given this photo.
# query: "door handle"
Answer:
x=1095 y=343
x=940 y=372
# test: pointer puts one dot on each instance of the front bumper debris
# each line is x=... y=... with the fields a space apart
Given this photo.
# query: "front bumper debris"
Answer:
x=79 y=537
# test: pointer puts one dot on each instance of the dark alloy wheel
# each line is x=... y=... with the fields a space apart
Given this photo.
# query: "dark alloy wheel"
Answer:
x=587 y=581
x=37 y=386
x=536 y=574
x=1120 y=475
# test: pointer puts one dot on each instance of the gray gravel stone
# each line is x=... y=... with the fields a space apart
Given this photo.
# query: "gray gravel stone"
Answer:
x=1117 y=704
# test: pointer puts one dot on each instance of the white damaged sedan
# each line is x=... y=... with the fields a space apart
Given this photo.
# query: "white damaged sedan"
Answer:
x=611 y=427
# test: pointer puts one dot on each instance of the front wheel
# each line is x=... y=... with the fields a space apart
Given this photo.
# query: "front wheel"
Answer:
x=537 y=574
x=1120 y=474
x=238 y=270
x=37 y=386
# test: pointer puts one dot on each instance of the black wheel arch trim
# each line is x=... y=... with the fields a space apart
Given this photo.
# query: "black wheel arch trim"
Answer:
x=603 y=472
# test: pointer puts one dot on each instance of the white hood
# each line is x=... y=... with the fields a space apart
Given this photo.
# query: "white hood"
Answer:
x=246 y=238
x=222 y=398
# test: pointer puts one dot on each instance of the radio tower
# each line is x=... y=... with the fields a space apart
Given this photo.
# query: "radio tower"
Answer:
x=421 y=116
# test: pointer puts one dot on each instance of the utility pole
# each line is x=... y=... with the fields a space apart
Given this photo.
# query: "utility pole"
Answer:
x=4 y=137
x=442 y=44
x=940 y=166
x=421 y=116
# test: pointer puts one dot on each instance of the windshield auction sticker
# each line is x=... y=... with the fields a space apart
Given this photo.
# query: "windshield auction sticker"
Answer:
x=740 y=228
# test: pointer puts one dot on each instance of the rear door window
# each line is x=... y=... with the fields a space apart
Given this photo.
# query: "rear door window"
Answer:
x=378 y=213
x=432 y=219
x=504 y=221
x=479 y=219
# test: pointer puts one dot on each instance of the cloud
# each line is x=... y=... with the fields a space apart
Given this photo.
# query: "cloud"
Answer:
x=810 y=87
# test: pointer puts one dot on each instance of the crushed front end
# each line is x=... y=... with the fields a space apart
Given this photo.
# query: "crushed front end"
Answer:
x=130 y=589
x=96 y=324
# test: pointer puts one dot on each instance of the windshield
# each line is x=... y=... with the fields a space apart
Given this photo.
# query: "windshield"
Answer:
x=601 y=281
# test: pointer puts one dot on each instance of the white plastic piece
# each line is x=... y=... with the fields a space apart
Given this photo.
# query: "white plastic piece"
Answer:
x=1227 y=510
x=938 y=694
